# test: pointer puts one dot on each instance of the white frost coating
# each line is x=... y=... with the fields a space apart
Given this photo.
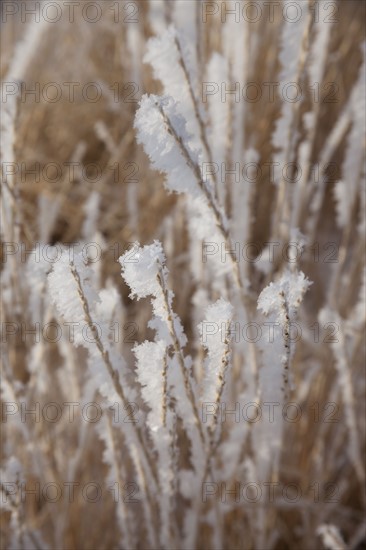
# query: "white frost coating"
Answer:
x=214 y=333
x=140 y=268
x=156 y=121
x=289 y=55
x=292 y=285
x=219 y=115
x=48 y=212
x=150 y=365
x=184 y=411
x=204 y=222
x=268 y=435
x=9 y=394
x=63 y=291
x=219 y=111
x=71 y=302
x=203 y=227
x=184 y=15
x=11 y=472
x=150 y=362
x=145 y=272
x=291 y=40
x=242 y=216
x=109 y=299
x=26 y=48
x=340 y=352
x=115 y=475
x=344 y=202
x=134 y=44
x=358 y=318
x=264 y=261
x=91 y=211
x=36 y=272
x=331 y=537
x=347 y=189
x=296 y=246
x=156 y=15
x=23 y=54
x=161 y=147
x=362 y=223
x=236 y=50
x=171 y=60
x=279 y=301
x=319 y=51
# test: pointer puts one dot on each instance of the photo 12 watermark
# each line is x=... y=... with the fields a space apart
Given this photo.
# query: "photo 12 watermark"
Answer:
x=90 y=173
x=52 y=492
x=269 y=412
x=272 y=171
x=270 y=92
x=70 y=92
x=68 y=412
x=252 y=252
x=51 y=12
x=254 y=11
x=270 y=493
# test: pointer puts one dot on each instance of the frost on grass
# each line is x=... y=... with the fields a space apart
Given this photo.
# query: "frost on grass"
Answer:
x=150 y=364
x=145 y=272
x=65 y=291
x=162 y=131
x=173 y=449
x=214 y=332
x=279 y=301
x=331 y=537
x=290 y=288
x=141 y=267
x=170 y=56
